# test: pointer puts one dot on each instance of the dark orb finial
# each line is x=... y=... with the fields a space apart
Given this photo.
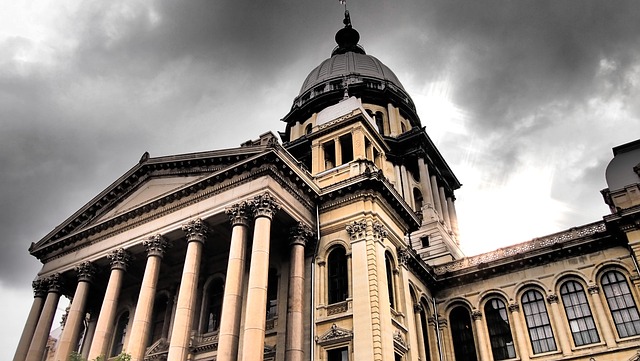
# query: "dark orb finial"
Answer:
x=347 y=38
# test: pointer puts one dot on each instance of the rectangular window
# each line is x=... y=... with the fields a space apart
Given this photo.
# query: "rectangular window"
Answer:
x=346 y=145
x=329 y=150
x=338 y=354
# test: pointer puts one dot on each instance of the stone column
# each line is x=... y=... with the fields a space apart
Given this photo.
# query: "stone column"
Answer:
x=399 y=182
x=521 y=339
x=601 y=316
x=427 y=194
x=482 y=336
x=445 y=209
x=417 y=309
x=265 y=207
x=137 y=344
x=408 y=192
x=69 y=338
x=561 y=331
x=295 y=323
x=89 y=334
x=451 y=203
x=39 y=293
x=119 y=260
x=196 y=231
x=41 y=334
x=436 y=196
x=229 y=333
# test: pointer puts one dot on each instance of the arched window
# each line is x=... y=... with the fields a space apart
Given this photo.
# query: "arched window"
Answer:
x=417 y=199
x=379 y=122
x=425 y=329
x=158 y=327
x=307 y=129
x=538 y=324
x=119 y=335
x=583 y=328
x=500 y=335
x=272 y=294
x=337 y=275
x=621 y=304
x=390 y=287
x=464 y=347
x=216 y=294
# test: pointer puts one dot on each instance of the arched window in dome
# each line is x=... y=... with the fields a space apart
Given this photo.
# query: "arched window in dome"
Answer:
x=307 y=129
x=379 y=122
x=581 y=323
x=417 y=200
x=621 y=304
x=464 y=347
x=500 y=336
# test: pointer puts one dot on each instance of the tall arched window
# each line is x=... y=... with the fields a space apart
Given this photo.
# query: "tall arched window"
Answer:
x=425 y=329
x=500 y=335
x=538 y=324
x=417 y=199
x=464 y=347
x=119 y=335
x=216 y=294
x=272 y=294
x=574 y=299
x=390 y=287
x=621 y=304
x=337 y=275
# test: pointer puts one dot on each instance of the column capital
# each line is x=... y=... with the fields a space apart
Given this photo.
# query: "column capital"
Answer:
x=196 y=230
x=513 y=307
x=156 y=245
x=300 y=234
x=476 y=315
x=593 y=289
x=239 y=213
x=357 y=230
x=86 y=271
x=54 y=283
x=417 y=307
x=379 y=232
x=404 y=255
x=552 y=298
x=443 y=323
x=265 y=205
x=39 y=287
x=119 y=259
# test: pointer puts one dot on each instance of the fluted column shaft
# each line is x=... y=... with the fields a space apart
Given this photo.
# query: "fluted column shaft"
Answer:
x=256 y=307
x=196 y=231
x=119 y=260
x=445 y=209
x=406 y=187
x=521 y=339
x=561 y=331
x=228 y=336
x=426 y=189
x=295 y=302
x=137 y=344
x=482 y=336
x=436 y=196
x=41 y=334
x=39 y=294
x=451 y=203
x=69 y=338
x=601 y=316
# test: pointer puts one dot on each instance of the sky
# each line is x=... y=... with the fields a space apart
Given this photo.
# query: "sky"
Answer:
x=524 y=99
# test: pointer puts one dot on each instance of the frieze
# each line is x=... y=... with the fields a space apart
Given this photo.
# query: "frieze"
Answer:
x=196 y=230
x=119 y=259
x=535 y=244
x=357 y=230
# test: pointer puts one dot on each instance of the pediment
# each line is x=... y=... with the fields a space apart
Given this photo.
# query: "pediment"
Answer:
x=334 y=335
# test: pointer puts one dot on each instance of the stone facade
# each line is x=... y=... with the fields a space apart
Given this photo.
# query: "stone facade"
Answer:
x=340 y=243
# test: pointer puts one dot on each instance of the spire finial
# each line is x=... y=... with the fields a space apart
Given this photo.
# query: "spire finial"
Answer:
x=347 y=37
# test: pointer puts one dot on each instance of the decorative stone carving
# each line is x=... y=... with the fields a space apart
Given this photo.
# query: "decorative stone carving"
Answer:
x=399 y=341
x=334 y=335
x=552 y=298
x=379 y=232
x=119 y=259
x=593 y=289
x=39 y=287
x=265 y=205
x=442 y=322
x=86 y=271
x=403 y=256
x=417 y=307
x=513 y=307
x=476 y=315
x=300 y=234
x=156 y=245
x=357 y=230
x=54 y=283
x=196 y=230
x=240 y=213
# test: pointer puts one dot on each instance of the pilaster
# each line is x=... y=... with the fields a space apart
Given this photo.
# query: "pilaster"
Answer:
x=561 y=331
x=521 y=340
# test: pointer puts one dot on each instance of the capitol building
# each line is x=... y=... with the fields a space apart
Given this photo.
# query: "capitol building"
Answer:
x=335 y=240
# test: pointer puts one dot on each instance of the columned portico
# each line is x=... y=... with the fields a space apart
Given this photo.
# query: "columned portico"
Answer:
x=71 y=330
x=196 y=232
x=265 y=207
x=156 y=246
x=228 y=336
x=39 y=294
x=41 y=334
x=295 y=323
x=119 y=260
